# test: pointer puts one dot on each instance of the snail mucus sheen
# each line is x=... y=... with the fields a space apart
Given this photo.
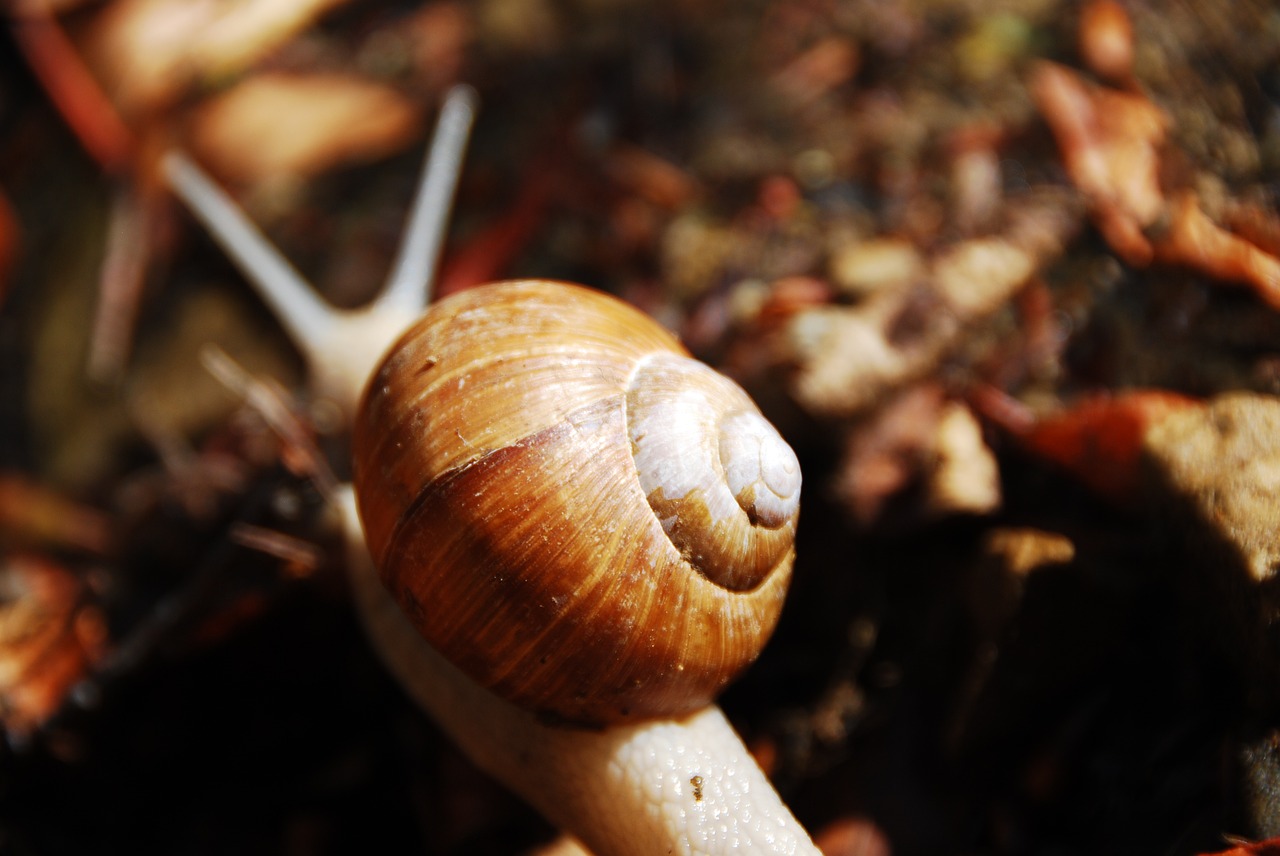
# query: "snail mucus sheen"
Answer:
x=570 y=508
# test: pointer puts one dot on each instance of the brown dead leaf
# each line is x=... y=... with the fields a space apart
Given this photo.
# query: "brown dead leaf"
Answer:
x=48 y=640
x=1224 y=459
x=655 y=179
x=148 y=52
x=1255 y=223
x=1194 y=240
x=1106 y=39
x=847 y=357
x=1099 y=440
x=863 y=268
x=1110 y=142
x=965 y=478
x=923 y=445
x=816 y=71
x=274 y=125
x=437 y=36
x=1009 y=558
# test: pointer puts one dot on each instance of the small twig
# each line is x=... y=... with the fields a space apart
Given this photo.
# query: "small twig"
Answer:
x=271 y=402
x=33 y=513
x=82 y=103
x=300 y=557
x=124 y=268
x=9 y=240
x=196 y=480
x=408 y=285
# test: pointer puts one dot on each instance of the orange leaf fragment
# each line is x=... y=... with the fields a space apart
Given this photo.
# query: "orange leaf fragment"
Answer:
x=792 y=294
x=1194 y=240
x=48 y=640
x=1106 y=39
x=1110 y=143
x=1098 y=441
x=651 y=177
x=824 y=66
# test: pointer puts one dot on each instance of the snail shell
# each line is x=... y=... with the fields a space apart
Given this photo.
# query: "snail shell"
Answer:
x=569 y=507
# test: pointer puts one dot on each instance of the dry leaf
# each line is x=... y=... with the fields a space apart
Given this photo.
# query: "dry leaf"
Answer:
x=275 y=125
x=1199 y=243
x=1110 y=142
x=148 y=52
x=48 y=640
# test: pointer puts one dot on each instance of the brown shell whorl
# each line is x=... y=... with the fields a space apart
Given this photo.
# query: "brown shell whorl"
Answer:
x=494 y=470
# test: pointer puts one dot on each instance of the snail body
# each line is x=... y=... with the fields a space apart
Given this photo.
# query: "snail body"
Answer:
x=513 y=395
x=571 y=509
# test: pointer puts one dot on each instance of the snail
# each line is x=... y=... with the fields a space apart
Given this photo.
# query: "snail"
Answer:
x=519 y=431
x=570 y=508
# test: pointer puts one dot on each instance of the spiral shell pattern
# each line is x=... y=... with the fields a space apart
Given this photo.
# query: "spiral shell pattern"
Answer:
x=571 y=509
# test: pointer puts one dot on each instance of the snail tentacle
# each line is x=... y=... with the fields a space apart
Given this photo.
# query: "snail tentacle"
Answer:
x=409 y=285
x=341 y=346
x=307 y=318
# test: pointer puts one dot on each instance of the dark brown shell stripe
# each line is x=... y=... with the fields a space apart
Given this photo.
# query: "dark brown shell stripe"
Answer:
x=610 y=665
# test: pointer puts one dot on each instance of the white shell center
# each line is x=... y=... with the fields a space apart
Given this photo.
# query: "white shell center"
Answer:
x=761 y=469
x=721 y=481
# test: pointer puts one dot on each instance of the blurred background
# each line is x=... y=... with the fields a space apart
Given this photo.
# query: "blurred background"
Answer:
x=1005 y=274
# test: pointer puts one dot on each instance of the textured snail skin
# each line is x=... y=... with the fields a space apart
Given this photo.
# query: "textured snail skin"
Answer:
x=547 y=489
x=622 y=791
